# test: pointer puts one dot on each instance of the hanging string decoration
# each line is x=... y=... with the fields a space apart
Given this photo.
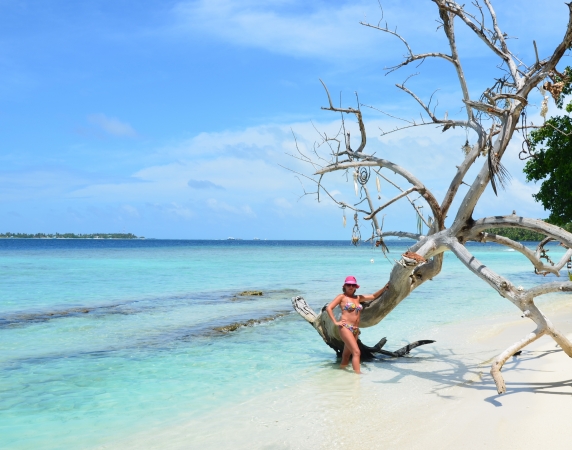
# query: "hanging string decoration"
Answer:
x=378 y=184
x=355 y=182
x=528 y=151
x=544 y=105
x=466 y=148
x=419 y=220
x=344 y=215
x=356 y=235
x=363 y=175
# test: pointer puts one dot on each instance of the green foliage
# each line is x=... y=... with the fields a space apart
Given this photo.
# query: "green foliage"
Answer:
x=552 y=161
x=67 y=236
x=517 y=234
x=520 y=234
x=553 y=165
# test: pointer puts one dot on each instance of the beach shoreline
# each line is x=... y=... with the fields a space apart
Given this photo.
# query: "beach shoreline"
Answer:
x=441 y=396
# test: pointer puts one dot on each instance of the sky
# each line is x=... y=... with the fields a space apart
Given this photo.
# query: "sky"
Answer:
x=175 y=119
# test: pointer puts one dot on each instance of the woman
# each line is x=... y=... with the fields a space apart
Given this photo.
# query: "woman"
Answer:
x=351 y=307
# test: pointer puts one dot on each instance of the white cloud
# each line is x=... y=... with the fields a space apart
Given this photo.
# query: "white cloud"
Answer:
x=203 y=184
x=131 y=211
x=282 y=203
x=112 y=126
x=254 y=176
x=318 y=29
x=221 y=206
x=246 y=162
x=173 y=209
x=331 y=30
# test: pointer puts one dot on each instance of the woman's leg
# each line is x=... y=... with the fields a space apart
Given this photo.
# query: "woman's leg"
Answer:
x=346 y=354
x=350 y=344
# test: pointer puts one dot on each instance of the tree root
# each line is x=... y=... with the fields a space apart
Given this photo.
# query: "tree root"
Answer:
x=372 y=352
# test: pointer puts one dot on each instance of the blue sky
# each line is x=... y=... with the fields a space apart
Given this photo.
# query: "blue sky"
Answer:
x=172 y=119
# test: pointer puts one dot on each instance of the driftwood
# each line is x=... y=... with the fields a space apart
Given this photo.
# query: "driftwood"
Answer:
x=492 y=120
x=337 y=344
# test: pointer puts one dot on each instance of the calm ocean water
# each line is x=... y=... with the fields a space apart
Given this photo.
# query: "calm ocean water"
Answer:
x=101 y=339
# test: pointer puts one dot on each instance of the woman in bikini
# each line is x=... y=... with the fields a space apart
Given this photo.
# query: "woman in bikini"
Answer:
x=351 y=307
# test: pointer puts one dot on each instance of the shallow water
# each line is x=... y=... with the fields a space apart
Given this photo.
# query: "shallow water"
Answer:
x=104 y=340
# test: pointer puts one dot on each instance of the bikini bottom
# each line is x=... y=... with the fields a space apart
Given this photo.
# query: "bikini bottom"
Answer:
x=352 y=328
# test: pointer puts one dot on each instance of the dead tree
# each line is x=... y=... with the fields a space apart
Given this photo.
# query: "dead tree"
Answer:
x=493 y=118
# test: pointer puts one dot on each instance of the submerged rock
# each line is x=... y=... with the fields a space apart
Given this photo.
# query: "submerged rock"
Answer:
x=249 y=293
x=247 y=323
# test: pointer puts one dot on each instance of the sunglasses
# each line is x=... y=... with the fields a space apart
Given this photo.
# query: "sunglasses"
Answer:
x=350 y=285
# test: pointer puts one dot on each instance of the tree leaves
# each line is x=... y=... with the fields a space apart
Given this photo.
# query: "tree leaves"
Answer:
x=552 y=164
x=551 y=146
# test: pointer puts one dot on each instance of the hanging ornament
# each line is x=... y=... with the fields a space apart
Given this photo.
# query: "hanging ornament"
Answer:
x=544 y=107
x=466 y=148
x=363 y=175
x=355 y=182
x=356 y=235
x=419 y=220
x=378 y=184
x=344 y=217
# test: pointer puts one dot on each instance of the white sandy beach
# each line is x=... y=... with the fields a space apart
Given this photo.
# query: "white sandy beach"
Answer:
x=441 y=397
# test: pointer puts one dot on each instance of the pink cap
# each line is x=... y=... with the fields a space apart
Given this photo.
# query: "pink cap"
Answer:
x=351 y=280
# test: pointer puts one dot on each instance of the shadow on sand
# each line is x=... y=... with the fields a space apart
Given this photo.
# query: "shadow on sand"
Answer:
x=469 y=371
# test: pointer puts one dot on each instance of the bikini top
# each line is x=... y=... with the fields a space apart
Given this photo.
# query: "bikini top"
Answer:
x=351 y=307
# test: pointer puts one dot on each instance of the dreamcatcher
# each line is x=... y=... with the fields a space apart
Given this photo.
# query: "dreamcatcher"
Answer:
x=356 y=235
x=466 y=148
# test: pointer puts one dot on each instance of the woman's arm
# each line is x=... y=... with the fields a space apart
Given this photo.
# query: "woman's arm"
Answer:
x=331 y=306
x=365 y=298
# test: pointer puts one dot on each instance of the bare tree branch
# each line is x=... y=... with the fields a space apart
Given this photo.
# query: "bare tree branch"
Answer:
x=540 y=267
x=356 y=112
x=393 y=200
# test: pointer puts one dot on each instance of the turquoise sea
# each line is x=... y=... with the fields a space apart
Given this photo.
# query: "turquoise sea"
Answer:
x=101 y=340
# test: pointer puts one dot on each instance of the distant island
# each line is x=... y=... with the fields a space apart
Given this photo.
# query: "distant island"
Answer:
x=69 y=236
x=520 y=234
x=517 y=234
